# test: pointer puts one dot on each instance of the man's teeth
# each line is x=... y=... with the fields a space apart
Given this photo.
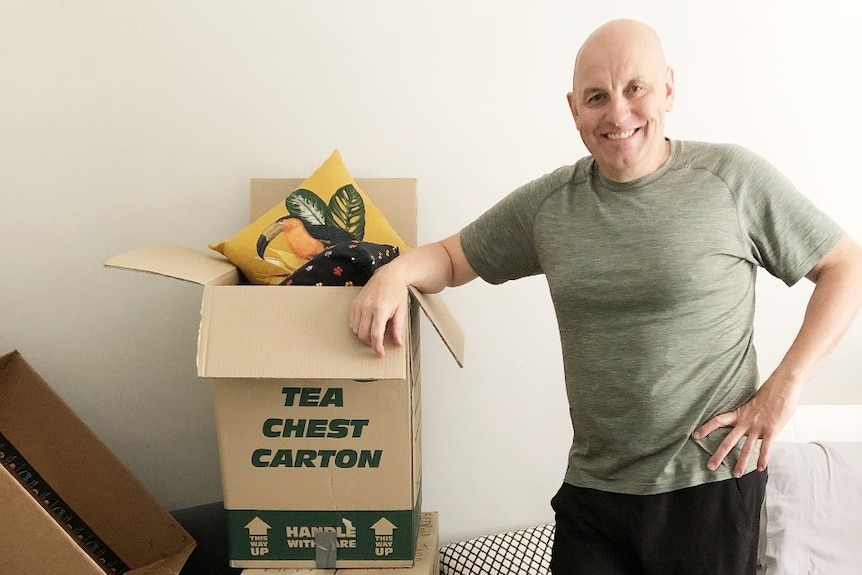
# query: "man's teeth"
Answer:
x=620 y=135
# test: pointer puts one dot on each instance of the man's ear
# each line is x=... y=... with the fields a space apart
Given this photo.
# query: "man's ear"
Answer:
x=573 y=107
x=669 y=89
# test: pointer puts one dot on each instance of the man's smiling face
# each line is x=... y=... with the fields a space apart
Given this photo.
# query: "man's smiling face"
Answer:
x=621 y=93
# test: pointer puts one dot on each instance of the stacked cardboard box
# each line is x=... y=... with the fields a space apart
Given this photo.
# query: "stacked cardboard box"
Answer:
x=319 y=438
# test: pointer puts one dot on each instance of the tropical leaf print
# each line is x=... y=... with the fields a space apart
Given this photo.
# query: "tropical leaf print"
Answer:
x=347 y=211
x=330 y=234
x=307 y=206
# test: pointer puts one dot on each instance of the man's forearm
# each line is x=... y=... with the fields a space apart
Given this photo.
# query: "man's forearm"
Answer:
x=381 y=306
x=831 y=309
x=432 y=267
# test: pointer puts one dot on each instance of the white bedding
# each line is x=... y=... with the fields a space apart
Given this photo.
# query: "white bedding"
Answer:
x=812 y=514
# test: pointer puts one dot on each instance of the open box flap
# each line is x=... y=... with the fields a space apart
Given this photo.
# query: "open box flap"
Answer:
x=295 y=332
x=179 y=263
x=443 y=321
x=301 y=332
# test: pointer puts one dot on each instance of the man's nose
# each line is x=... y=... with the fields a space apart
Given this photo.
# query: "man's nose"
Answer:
x=619 y=110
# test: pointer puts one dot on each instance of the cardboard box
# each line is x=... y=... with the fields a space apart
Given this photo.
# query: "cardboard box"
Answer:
x=68 y=504
x=316 y=433
x=427 y=557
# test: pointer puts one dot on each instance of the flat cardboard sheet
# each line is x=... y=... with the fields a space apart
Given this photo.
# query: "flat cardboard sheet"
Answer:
x=72 y=464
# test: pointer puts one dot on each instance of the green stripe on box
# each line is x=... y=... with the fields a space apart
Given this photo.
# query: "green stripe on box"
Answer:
x=289 y=535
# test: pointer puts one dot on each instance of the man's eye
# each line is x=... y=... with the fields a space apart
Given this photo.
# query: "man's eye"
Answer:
x=637 y=89
x=595 y=99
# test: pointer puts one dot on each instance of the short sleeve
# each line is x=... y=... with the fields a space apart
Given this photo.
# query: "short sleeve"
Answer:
x=499 y=244
x=784 y=231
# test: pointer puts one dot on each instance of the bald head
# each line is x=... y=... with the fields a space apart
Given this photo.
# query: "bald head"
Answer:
x=616 y=42
x=621 y=91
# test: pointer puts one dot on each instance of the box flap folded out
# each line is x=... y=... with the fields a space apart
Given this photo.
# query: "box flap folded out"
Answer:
x=444 y=322
x=71 y=487
x=179 y=263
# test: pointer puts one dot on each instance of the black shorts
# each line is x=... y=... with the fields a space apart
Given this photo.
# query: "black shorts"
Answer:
x=709 y=529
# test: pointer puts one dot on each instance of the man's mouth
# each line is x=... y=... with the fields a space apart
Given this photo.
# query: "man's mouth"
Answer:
x=621 y=135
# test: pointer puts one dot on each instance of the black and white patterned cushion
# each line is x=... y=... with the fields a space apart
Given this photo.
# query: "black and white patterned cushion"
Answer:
x=522 y=552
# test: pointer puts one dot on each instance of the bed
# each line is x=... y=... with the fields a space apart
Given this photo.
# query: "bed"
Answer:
x=811 y=519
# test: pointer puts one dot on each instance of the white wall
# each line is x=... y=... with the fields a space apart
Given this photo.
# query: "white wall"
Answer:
x=127 y=123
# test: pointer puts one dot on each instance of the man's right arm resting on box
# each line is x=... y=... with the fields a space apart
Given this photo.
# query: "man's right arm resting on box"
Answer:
x=382 y=302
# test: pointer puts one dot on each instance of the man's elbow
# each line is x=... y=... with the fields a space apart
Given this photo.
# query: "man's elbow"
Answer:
x=843 y=261
x=460 y=270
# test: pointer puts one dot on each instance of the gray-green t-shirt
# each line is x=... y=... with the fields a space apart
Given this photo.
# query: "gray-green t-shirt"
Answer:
x=653 y=286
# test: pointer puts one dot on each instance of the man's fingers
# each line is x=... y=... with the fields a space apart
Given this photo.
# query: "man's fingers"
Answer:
x=747 y=423
x=399 y=326
x=724 y=448
x=353 y=318
x=763 y=459
x=722 y=420
x=377 y=334
x=747 y=450
x=376 y=310
x=361 y=323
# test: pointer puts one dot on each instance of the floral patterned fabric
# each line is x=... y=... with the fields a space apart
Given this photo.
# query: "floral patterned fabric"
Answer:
x=345 y=264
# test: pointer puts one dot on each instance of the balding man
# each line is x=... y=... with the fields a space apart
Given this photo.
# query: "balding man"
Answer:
x=650 y=247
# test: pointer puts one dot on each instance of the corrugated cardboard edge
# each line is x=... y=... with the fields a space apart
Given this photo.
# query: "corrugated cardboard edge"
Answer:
x=179 y=263
x=31 y=529
x=444 y=322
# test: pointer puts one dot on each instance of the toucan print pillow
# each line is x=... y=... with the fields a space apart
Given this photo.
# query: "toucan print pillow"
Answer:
x=328 y=209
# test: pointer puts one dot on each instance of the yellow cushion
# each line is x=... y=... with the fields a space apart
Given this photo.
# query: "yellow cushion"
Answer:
x=326 y=209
